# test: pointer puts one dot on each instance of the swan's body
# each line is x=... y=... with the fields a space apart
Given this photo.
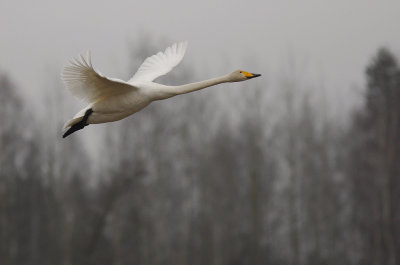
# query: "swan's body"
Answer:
x=113 y=99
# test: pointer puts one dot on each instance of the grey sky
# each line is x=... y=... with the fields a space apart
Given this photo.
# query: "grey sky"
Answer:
x=337 y=37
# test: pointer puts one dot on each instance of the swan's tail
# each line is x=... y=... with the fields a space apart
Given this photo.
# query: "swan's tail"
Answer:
x=77 y=123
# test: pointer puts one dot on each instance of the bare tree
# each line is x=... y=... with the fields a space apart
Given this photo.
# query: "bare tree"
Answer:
x=375 y=166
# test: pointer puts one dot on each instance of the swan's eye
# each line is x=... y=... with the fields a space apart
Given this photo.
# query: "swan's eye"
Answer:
x=240 y=71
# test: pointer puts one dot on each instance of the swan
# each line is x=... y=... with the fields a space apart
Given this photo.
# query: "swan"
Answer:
x=112 y=99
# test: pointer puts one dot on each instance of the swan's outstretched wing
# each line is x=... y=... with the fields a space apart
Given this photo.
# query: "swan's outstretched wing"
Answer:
x=160 y=63
x=85 y=83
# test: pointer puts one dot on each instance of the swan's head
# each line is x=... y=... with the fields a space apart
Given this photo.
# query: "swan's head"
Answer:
x=240 y=75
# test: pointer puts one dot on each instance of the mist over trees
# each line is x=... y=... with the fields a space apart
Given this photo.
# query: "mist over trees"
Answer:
x=226 y=175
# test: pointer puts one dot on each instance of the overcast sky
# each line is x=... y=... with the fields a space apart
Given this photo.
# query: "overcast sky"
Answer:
x=336 y=38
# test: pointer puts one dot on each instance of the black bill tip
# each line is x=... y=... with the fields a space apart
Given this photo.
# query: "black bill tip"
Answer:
x=254 y=75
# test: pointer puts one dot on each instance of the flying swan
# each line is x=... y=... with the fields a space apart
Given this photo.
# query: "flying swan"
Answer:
x=111 y=99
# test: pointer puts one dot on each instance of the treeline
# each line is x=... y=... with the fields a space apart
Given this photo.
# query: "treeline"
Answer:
x=224 y=176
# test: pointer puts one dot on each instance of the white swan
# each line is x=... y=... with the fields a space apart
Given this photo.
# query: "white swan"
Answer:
x=112 y=99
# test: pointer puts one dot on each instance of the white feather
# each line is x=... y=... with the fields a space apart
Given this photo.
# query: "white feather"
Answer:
x=160 y=63
x=85 y=83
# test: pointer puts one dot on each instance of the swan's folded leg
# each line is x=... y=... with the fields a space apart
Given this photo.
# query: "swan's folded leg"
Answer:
x=79 y=125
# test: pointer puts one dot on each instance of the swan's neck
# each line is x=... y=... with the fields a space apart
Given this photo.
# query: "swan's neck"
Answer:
x=177 y=90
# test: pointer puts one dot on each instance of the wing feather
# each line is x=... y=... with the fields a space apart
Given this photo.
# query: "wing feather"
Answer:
x=160 y=63
x=85 y=83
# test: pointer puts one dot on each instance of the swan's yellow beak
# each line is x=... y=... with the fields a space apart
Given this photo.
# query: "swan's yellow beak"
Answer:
x=250 y=75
